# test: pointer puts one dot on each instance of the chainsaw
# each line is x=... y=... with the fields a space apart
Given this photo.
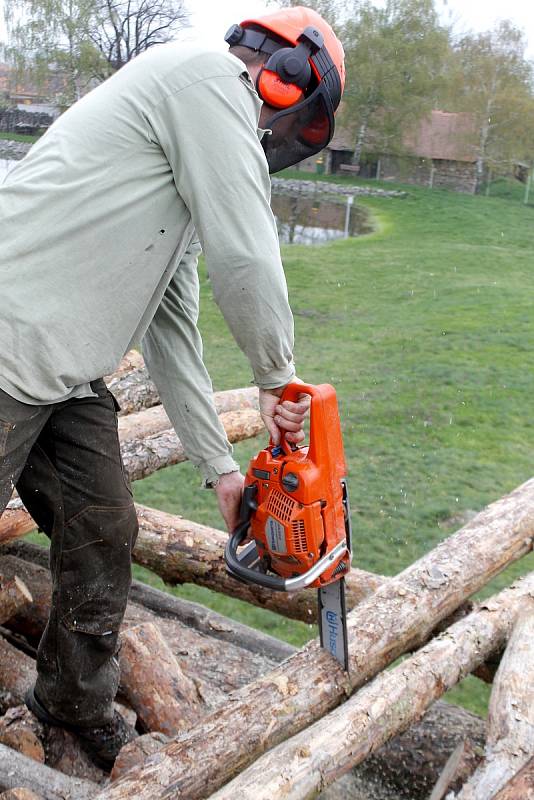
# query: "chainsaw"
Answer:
x=295 y=517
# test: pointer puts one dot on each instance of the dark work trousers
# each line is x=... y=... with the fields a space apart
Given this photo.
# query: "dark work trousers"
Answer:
x=65 y=462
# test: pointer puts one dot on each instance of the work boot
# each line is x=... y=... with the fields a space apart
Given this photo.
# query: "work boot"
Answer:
x=102 y=743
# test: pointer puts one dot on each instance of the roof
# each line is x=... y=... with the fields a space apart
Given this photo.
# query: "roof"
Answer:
x=443 y=135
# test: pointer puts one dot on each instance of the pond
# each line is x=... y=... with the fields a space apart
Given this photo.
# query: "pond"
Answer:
x=315 y=220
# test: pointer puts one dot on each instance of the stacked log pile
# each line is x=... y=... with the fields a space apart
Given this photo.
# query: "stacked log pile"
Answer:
x=227 y=712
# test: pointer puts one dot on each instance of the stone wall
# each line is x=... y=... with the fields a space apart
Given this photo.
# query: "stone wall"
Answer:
x=11 y=120
x=437 y=173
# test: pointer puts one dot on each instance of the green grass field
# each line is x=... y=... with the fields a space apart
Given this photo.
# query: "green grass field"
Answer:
x=426 y=330
x=18 y=137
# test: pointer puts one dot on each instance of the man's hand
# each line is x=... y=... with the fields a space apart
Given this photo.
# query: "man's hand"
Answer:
x=287 y=416
x=229 y=490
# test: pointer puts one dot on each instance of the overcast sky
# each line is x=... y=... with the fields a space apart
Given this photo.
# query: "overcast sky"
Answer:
x=211 y=18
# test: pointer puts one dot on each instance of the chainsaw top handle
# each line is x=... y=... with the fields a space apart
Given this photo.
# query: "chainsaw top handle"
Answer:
x=326 y=446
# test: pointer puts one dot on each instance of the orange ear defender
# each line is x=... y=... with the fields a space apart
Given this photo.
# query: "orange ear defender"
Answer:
x=287 y=72
x=276 y=92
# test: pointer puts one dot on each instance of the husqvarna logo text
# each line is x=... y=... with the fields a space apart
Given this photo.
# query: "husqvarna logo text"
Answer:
x=333 y=630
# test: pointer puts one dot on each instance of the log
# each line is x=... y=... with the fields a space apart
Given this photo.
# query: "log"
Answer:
x=20 y=794
x=163 y=697
x=521 y=786
x=454 y=771
x=135 y=752
x=144 y=457
x=510 y=739
x=131 y=361
x=300 y=767
x=398 y=616
x=217 y=666
x=181 y=551
x=134 y=391
x=14 y=523
x=23 y=732
x=17 y=675
x=17 y=771
x=154 y=420
x=412 y=762
x=14 y=595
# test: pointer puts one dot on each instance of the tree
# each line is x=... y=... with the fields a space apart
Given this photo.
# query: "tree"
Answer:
x=394 y=57
x=492 y=79
x=47 y=38
x=121 y=29
x=85 y=39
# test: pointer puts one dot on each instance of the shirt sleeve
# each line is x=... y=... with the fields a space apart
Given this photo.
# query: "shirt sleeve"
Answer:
x=208 y=132
x=172 y=347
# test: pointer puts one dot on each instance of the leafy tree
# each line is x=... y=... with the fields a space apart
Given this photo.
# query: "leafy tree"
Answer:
x=394 y=58
x=492 y=79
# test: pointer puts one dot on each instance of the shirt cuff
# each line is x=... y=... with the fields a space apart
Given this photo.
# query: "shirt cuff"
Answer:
x=219 y=465
x=275 y=378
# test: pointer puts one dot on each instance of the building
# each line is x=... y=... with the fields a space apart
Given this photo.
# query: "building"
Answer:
x=439 y=152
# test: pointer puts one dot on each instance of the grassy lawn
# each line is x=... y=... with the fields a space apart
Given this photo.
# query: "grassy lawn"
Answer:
x=18 y=137
x=426 y=330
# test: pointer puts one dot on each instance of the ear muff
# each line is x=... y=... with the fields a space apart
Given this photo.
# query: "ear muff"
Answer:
x=276 y=92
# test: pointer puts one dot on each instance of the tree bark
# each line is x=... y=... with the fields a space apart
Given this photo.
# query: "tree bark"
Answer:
x=521 y=786
x=181 y=551
x=14 y=523
x=14 y=595
x=131 y=361
x=23 y=732
x=20 y=794
x=143 y=457
x=136 y=751
x=412 y=761
x=397 y=617
x=17 y=675
x=134 y=391
x=300 y=767
x=510 y=740
x=17 y=770
x=163 y=697
x=154 y=420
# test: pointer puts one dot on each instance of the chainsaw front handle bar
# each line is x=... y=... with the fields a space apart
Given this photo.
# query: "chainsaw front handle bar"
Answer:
x=253 y=576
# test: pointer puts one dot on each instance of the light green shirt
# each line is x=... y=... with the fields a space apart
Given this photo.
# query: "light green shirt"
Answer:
x=101 y=226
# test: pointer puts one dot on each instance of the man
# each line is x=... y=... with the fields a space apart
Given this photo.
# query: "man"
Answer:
x=101 y=228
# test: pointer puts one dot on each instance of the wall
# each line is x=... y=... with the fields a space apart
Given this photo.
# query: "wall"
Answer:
x=13 y=117
x=438 y=173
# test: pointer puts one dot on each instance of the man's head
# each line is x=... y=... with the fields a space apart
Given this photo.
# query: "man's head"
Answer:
x=297 y=63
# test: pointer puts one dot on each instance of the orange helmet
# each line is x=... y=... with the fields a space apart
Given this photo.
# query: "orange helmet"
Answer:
x=289 y=23
x=303 y=77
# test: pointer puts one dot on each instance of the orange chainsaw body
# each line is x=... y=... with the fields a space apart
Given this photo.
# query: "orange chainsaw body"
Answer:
x=302 y=510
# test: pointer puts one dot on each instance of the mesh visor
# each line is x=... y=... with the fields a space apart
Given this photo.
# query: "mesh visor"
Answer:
x=300 y=131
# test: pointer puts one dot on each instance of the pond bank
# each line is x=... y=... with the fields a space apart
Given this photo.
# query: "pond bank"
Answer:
x=292 y=186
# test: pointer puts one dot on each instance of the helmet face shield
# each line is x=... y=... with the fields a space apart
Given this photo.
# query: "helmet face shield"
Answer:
x=300 y=131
